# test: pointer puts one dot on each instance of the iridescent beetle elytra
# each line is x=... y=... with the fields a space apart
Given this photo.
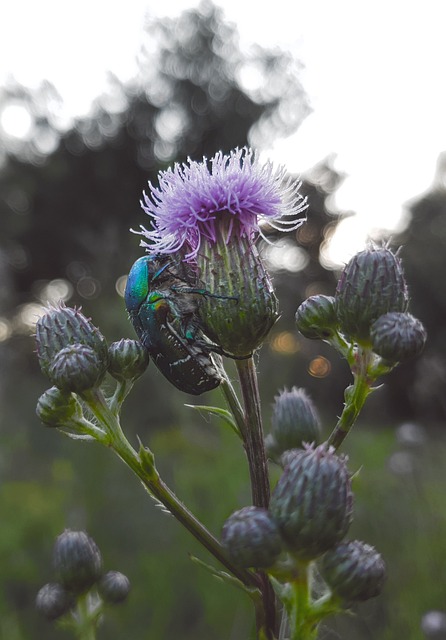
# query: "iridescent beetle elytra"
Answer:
x=160 y=300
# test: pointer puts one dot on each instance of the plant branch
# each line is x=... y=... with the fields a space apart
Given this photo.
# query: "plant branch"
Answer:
x=157 y=488
x=355 y=397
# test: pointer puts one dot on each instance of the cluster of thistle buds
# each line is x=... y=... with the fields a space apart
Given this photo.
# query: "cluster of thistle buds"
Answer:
x=311 y=507
x=309 y=515
x=75 y=356
x=82 y=589
x=368 y=310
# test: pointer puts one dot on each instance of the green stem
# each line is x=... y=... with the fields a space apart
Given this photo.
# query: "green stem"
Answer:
x=301 y=628
x=85 y=625
x=253 y=433
x=299 y=606
x=355 y=397
x=122 y=390
x=157 y=488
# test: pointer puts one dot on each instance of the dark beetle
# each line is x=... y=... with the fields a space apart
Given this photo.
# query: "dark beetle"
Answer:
x=160 y=299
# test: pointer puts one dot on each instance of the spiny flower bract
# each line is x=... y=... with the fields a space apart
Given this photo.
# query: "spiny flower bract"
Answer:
x=185 y=208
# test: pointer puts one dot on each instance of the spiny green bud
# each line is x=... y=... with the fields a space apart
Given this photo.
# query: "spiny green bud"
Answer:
x=294 y=420
x=77 y=561
x=316 y=317
x=312 y=502
x=397 y=336
x=56 y=408
x=243 y=307
x=77 y=368
x=53 y=601
x=113 y=587
x=371 y=284
x=354 y=571
x=251 y=538
x=62 y=326
x=128 y=359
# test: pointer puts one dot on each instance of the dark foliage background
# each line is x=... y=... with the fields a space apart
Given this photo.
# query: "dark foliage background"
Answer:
x=67 y=201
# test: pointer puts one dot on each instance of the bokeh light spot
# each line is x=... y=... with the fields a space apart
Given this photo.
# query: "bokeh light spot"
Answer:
x=5 y=329
x=88 y=287
x=120 y=285
x=56 y=290
x=285 y=342
x=285 y=255
x=319 y=367
x=27 y=316
x=16 y=120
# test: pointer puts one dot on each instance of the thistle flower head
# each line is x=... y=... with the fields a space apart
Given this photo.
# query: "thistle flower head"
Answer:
x=61 y=327
x=316 y=317
x=251 y=538
x=54 y=601
x=397 y=336
x=77 y=560
x=371 y=284
x=114 y=587
x=294 y=421
x=192 y=197
x=312 y=502
x=354 y=570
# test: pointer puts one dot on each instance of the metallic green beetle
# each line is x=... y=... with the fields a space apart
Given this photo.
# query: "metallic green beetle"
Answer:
x=160 y=300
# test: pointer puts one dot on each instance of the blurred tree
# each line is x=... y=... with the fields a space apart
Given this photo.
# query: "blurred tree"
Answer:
x=417 y=390
x=67 y=214
x=297 y=263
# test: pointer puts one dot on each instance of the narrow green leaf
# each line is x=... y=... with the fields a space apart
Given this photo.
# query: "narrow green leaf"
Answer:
x=224 y=414
x=227 y=578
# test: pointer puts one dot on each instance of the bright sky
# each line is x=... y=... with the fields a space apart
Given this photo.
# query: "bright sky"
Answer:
x=374 y=73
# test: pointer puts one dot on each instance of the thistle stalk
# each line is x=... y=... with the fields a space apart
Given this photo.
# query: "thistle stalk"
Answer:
x=355 y=396
x=151 y=480
x=253 y=433
x=258 y=468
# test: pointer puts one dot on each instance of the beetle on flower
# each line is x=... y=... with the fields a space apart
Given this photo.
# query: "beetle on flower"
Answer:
x=211 y=212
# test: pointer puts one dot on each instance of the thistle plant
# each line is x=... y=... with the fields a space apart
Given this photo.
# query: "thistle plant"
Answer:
x=200 y=296
x=83 y=590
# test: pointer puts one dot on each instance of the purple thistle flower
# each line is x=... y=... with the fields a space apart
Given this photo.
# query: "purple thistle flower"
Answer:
x=185 y=208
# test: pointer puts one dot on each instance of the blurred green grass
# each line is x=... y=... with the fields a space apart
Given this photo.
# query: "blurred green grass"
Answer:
x=399 y=508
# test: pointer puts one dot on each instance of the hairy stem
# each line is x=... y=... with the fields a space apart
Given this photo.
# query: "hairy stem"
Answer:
x=252 y=433
x=158 y=489
x=355 y=397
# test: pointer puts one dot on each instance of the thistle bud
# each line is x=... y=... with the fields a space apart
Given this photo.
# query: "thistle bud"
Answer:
x=61 y=327
x=294 y=420
x=354 y=571
x=56 y=408
x=251 y=538
x=77 y=368
x=128 y=359
x=113 y=587
x=242 y=307
x=77 y=561
x=371 y=285
x=316 y=317
x=312 y=502
x=397 y=337
x=53 y=601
